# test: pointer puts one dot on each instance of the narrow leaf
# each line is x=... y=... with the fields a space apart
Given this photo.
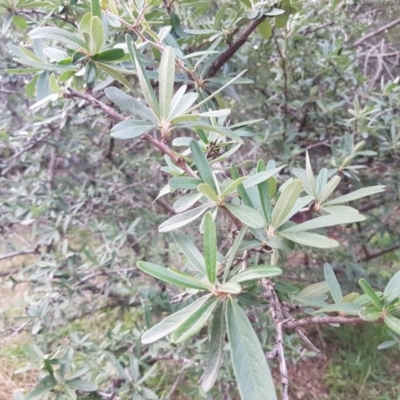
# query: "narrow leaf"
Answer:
x=169 y=324
x=166 y=80
x=346 y=308
x=392 y=323
x=247 y=215
x=367 y=289
x=232 y=187
x=325 y=221
x=58 y=34
x=215 y=353
x=370 y=313
x=260 y=177
x=130 y=129
x=257 y=272
x=206 y=190
x=310 y=239
x=328 y=189
x=129 y=103
x=183 y=219
x=392 y=290
x=144 y=81
x=315 y=289
x=358 y=194
x=109 y=55
x=195 y=322
x=310 y=176
x=184 y=182
x=189 y=249
x=332 y=283
x=172 y=276
x=202 y=164
x=210 y=247
x=95 y=8
x=249 y=362
x=285 y=203
x=96 y=35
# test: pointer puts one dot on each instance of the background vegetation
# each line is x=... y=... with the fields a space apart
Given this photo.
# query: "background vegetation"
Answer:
x=78 y=207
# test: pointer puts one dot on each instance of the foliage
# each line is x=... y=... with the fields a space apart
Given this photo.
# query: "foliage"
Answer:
x=180 y=76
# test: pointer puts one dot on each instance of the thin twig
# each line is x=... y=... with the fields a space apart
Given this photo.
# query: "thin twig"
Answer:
x=18 y=253
x=293 y=325
x=377 y=32
x=275 y=309
x=16 y=331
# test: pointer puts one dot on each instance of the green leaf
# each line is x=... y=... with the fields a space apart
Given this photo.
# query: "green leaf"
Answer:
x=392 y=323
x=232 y=187
x=332 y=283
x=19 y=22
x=232 y=251
x=95 y=8
x=392 y=290
x=114 y=73
x=189 y=249
x=215 y=353
x=310 y=177
x=347 y=308
x=58 y=34
x=241 y=190
x=187 y=201
x=130 y=129
x=181 y=103
x=315 y=289
x=171 y=276
x=206 y=190
x=202 y=165
x=166 y=80
x=328 y=189
x=7 y=22
x=310 y=239
x=264 y=29
x=184 y=182
x=285 y=203
x=108 y=55
x=358 y=194
x=144 y=81
x=169 y=324
x=96 y=35
x=260 y=177
x=247 y=215
x=370 y=313
x=210 y=247
x=249 y=362
x=44 y=388
x=183 y=219
x=367 y=289
x=80 y=384
x=230 y=288
x=257 y=272
x=195 y=322
x=264 y=194
x=129 y=103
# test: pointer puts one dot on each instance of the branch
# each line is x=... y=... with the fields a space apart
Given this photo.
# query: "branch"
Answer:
x=377 y=32
x=380 y=253
x=292 y=325
x=234 y=47
x=18 y=253
x=119 y=117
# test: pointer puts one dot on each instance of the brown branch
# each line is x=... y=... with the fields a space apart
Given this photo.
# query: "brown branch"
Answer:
x=377 y=32
x=369 y=256
x=234 y=47
x=119 y=117
x=18 y=253
x=293 y=325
